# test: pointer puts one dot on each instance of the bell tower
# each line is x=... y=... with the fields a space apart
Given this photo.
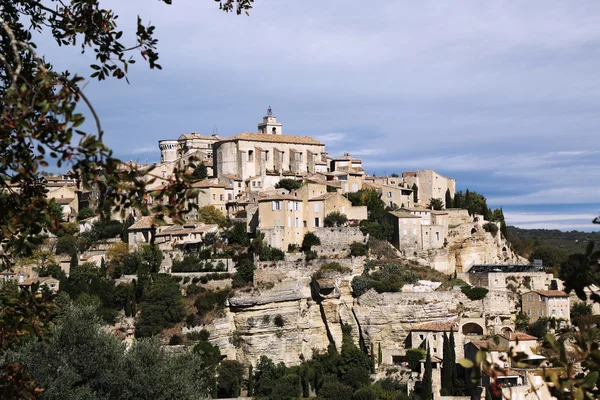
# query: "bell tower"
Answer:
x=269 y=125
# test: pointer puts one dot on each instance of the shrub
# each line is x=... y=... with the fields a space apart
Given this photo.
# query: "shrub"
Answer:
x=474 y=293
x=414 y=357
x=311 y=255
x=211 y=300
x=310 y=240
x=85 y=213
x=334 y=390
x=175 y=340
x=190 y=320
x=361 y=284
x=66 y=244
x=334 y=219
x=278 y=321
x=358 y=249
x=245 y=273
x=331 y=268
x=288 y=184
x=192 y=290
x=271 y=254
x=202 y=335
x=491 y=228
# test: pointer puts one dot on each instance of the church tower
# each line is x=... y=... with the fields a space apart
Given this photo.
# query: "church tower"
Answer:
x=269 y=125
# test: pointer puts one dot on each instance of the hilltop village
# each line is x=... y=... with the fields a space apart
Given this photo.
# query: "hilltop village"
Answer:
x=399 y=264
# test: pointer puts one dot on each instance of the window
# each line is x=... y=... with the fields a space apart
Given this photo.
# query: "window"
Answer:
x=164 y=174
x=277 y=222
x=562 y=312
x=277 y=204
x=316 y=207
x=229 y=196
x=304 y=223
x=251 y=155
x=239 y=184
x=434 y=337
x=297 y=205
x=414 y=231
x=297 y=222
x=389 y=194
x=222 y=197
x=267 y=155
x=355 y=187
x=553 y=312
x=135 y=237
x=289 y=222
x=404 y=232
x=290 y=205
x=214 y=196
x=540 y=313
x=530 y=297
x=421 y=337
x=437 y=236
x=316 y=223
x=529 y=312
x=434 y=350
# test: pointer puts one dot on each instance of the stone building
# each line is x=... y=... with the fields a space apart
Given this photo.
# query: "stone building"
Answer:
x=268 y=152
x=431 y=335
x=546 y=304
x=418 y=229
x=430 y=184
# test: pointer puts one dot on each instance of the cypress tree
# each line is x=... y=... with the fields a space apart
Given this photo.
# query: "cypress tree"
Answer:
x=456 y=385
x=446 y=369
x=74 y=261
x=372 y=359
x=415 y=189
x=379 y=354
x=128 y=305
x=250 y=381
x=448 y=199
x=468 y=202
x=427 y=383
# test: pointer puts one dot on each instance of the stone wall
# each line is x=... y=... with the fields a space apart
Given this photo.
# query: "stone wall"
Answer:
x=337 y=241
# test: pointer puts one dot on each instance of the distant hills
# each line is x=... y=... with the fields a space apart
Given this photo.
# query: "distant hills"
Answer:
x=526 y=240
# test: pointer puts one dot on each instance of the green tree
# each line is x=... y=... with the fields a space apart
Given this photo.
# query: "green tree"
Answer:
x=310 y=240
x=250 y=380
x=151 y=257
x=200 y=172
x=231 y=373
x=288 y=184
x=448 y=203
x=379 y=354
x=435 y=204
x=580 y=309
x=211 y=215
x=414 y=357
x=335 y=218
x=427 y=383
x=446 y=389
x=415 y=190
x=161 y=307
x=85 y=213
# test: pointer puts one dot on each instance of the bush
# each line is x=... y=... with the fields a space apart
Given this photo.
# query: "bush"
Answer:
x=211 y=300
x=161 y=307
x=358 y=249
x=288 y=184
x=474 y=293
x=230 y=379
x=331 y=268
x=66 y=244
x=334 y=390
x=192 y=290
x=580 y=309
x=361 y=284
x=414 y=357
x=310 y=240
x=278 y=321
x=175 y=340
x=335 y=219
x=245 y=273
x=85 y=213
x=491 y=228
x=539 y=328
x=389 y=278
x=271 y=254
x=106 y=229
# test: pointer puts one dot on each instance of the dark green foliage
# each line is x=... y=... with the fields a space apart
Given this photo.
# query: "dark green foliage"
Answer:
x=521 y=321
x=106 y=229
x=288 y=184
x=278 y=321
x=66 y=244
x=539 y=328
x=415 y=189
x=389 y=278
x=372 y=359
x=237 y=234
x=582 y=270
x=175 y=340
x=379 y=354
x=331 y=268
x=310 y=240
x=334 y=390
x=377 y=225
x=525 y=241
x=200 y=172
x=358 y=249
x=271 y=254
x=161 y=307
x=448 y=200
x=193 y=263
x=334 y=219
x=414 y=357
x=450 y=383
x=551 y=256
x=474 y=293
x=435 y=204
x=230 y=379
x=211 y=300
x=245 y=273
x=211 y=355
x=250 y=381
x=580 y=309
x=491 y=228
x=427 y=383
x=85 y=213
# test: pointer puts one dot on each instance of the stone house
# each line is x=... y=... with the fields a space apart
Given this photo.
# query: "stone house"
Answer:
x=51 y=283
x=67 y=196
x=546 y=304
x=255 y=154
x=430 y=184
x=407 y=231
x=213 y=193
x=431 y=335
x=144 y=230
x=181 y=237
x=395 y=196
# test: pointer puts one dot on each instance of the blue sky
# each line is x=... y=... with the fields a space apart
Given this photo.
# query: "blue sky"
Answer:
x=501 y=95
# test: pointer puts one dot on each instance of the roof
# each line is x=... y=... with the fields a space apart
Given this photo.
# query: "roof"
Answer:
x=416 y=209
x=65 y=200
x=436 y=326
x=323 y=196
x=269 y=138
x=186 y=229
x=196 y=135
x=277 y=196
x=208 y=183
x=232 y=177
x=506 y=373
x=550 y=293
x=31 y=281
x=403 y=214
x=147 y=222
x=518 y=336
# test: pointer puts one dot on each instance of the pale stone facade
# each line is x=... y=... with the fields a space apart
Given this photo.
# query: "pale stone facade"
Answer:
x=546 y=304
x=430 y=184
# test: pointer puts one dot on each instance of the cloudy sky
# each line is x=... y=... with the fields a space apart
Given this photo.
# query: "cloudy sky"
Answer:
x=502 y=95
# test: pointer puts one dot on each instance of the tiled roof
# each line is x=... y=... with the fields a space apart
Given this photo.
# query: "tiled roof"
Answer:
x=518 y=336
x=417 y=209
x=195 y=135
x=403 y=214
x=551 y=293
x=323 y=196
x=262 y=137
x=31 y=281
x=232 y=177
x=208 y=183
x=436 y=326
x=147 y=222
x=277 y=196
x=65 y=200
x=184 y=230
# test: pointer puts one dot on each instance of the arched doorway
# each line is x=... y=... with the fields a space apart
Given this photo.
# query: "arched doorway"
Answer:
x=472 y=329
